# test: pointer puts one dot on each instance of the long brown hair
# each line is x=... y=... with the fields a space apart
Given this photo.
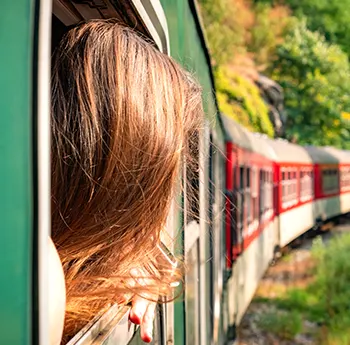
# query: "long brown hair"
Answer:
x=123 y=116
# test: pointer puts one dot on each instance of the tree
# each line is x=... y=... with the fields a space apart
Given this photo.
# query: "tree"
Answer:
x=316 y=78
x=330 y=18
x=240 y=98
x=225 y=34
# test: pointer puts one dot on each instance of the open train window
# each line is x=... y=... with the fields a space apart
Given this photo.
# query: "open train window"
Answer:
x=192 y=178
x=192 y=238
x=148 y=19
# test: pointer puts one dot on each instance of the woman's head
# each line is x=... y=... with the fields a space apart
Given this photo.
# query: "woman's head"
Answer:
x=123 y=115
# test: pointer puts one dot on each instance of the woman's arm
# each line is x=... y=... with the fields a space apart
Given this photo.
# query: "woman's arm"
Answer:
x=57 y=296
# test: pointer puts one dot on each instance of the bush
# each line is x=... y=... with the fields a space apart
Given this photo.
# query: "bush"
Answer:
x=315 y=76
x=240 y=98
x=326 y=301
x=286 y=325
x=332 y=280
x=223 y=29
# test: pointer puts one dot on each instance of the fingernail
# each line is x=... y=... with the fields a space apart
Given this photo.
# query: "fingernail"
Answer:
x=148 y=336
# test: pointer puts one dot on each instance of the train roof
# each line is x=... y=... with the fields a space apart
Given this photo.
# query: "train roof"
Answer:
x=287 y=152
x=328 y=155
x=281 y=150
x=240 y=136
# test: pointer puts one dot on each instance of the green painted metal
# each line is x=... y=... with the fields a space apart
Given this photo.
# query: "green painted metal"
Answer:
x=16 y=194
x=187 y=47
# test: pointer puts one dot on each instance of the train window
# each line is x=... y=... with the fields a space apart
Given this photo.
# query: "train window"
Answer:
x=192 y=239
x=289 y=186
x=324 y=180
x=345 y=177
x=241 y=199
x=151 y=22
x=272 y=188
x=192 y=187
x=255 y=199
x=256 y=208
x=241 y=177
x=336 y=180
x=262 y=192
x=295 y=183
x=330 y=181
x=282 y=184
x=248 y=196
x=248 y=177
x=266 y=187
x=306 y=185
x=302 y=174
x=239 y=207
x=254 y=183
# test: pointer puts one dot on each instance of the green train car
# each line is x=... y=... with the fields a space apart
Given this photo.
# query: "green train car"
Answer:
x=29 y=30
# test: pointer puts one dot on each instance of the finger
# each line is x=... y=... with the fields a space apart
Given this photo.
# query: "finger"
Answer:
x=138 y=309
x=147 y=323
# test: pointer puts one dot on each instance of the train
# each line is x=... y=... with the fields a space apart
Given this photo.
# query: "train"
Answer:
x=276 y=192
x=251 y=197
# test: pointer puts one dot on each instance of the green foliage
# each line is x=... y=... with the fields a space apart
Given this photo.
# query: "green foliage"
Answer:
x=286 y=325
x=240 y=98
x=225 y=34
x=332 y=287
x=236 y=33
x=267 y=32
x=326 y=301
x=303 y=302
x=315 y=76
x=330 y=18
x=261 y=35
x=332 y=280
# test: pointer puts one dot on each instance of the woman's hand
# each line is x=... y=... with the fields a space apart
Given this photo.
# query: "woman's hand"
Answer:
x=143 y=308
x=142 y=313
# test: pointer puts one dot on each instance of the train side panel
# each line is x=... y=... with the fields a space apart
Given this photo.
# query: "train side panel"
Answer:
x=247 y=272
x=295 y=222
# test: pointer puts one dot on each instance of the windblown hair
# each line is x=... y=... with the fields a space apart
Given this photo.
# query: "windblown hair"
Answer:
x=123 y=117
